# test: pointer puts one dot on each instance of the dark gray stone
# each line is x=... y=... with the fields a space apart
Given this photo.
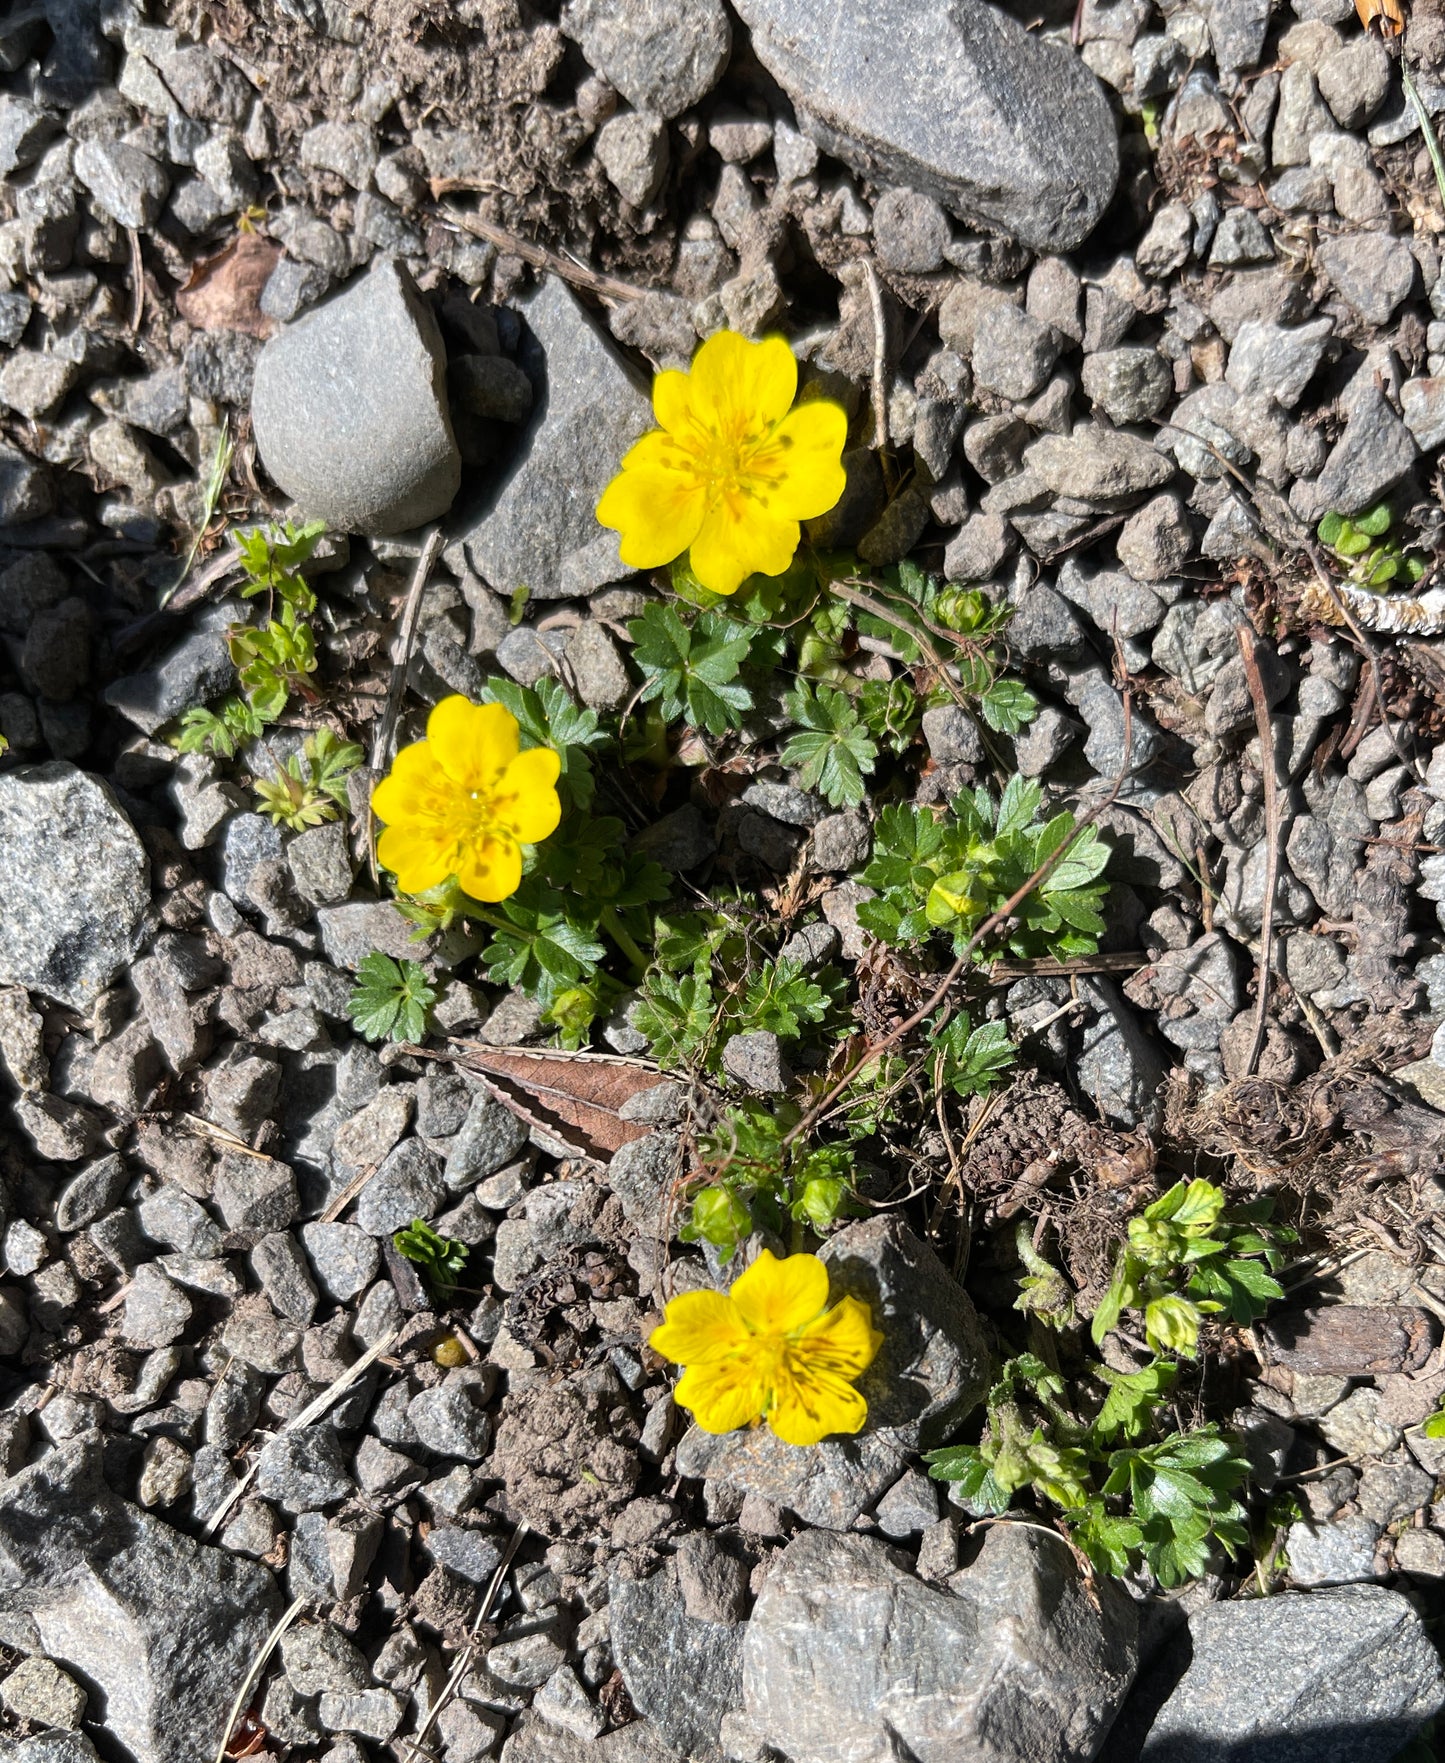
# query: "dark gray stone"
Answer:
x=350 y=409
x=1129 y=384
x=849 y=1655
x=1374 y=272
x=1340 y=1676
x=952 y=98
x=303 y=1471
x=198 y=670
x=1373 y=454
x=158 y=1627
x=537 y=527
x=682 y=1674
x=1097 y=464
x=1119 y=1067
x=76 y=883
x=408 y=1185
x=661 y=55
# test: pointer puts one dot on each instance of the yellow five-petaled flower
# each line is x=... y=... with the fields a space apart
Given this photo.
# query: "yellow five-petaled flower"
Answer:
x=771 y=1349
x=731 y=470
x=464 y=801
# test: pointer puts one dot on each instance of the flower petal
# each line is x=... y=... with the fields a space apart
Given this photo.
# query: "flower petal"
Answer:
x=724 y=1395
x=841 y=1340
x=737 y=539
x=416 y=787
x=672 y=401
x=420 y=857
x=656 y=502
x=490 y=869
x=809 y=1405
x=698 y=1328
x=738 y=388
x=802 y=462
x=775 y=1297
x=473 y=743
x=526 y=803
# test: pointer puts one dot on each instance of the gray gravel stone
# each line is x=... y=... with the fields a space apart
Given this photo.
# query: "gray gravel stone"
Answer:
x=123 y=182
x=304 y=1470
x=76 y=883
x=408 y=1185
x=158 y=1626
x=632 y=150
x=1277 y=359
x=911 y=231
x=350 y=410
x=849 y=1655
x=1129 y=384
x=452 y=1419
x=756 y=1062
x=1423 y=404
x=1374 y=272
x=491 y=1136
x=538 y=527
x=960 y=103
x=1013 y=353
x=1118 y=1066
x=660 y=55
x=1096 y=464
x=1370 y=457
x=1341 y=1676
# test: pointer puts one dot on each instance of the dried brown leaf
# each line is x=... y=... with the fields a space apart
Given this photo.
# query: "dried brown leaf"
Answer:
x=573 y=1097
x=224 y=292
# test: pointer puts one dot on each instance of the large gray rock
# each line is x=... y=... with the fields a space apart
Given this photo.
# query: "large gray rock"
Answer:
x=662 y=55
x=75 y=881
x=350 y=408
x=159 y=1629
x=1340 y=1676
x=930 y=1371
x=682 y=1674
x=849 y=1656
x=538 y=527
x=953 y=98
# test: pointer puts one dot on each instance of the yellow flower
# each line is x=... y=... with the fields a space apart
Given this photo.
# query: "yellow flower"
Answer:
x=464 y=801
x=772 y=1350
x=731 y=470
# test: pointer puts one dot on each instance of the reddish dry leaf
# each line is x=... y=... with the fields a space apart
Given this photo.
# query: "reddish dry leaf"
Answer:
x=1387 y=17
x=572 y=1097
x=224 y=292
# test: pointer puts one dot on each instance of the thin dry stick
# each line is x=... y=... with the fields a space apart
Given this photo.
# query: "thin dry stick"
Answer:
x=880 y=357
x=606 y=287
x=462 y=1663
x=312 y=1411
x=138 y=281
x=253 y=1676
x=1269 y=770
x=984 y=931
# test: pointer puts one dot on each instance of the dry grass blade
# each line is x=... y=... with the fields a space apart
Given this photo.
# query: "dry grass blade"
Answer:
x=304 y=1416
x=253 y=1676
x=1269 y=771
x=401 y=666
x=607 y=287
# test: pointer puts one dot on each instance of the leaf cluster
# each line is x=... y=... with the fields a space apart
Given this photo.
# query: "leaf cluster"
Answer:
x=391 y=999
x=1362 y=541
x=947 y=872
x=1166 y=1503
x=310 y=787
x=442 y=1260
x=757 y=1182
x=1189 y=1256
x=277 y=657
x=709 y=981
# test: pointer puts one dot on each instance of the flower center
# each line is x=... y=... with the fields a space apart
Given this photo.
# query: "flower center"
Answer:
x=737 y=461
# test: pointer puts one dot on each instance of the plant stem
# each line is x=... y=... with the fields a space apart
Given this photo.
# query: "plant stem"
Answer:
x=615 y=929
x=1432 y=145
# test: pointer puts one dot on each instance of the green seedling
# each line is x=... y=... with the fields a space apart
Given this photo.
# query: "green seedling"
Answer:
x=441 y=1260
x=1362 y=543
x=391 y=1000
x=310 y=787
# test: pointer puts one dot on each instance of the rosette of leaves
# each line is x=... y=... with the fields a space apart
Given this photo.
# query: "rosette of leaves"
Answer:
x=310 y=787
x=1189 y=1256
x=946 y=873
x=1362 y=542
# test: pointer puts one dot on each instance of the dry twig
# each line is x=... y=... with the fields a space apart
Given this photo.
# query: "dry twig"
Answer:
x=1269 y=771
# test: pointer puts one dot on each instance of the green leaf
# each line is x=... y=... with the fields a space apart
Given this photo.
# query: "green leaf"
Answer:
x=1007 y=705
x=781 y=998
x=443 y=1260
x=676 y=1015
x=1330 y=528
x=391 y=999
x=1129 y=1407
x=692 y=678
x=832 y=750
x=1374 y=522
